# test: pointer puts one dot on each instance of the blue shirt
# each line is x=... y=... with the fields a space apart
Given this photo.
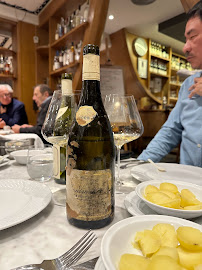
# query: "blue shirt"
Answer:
x=184 y=125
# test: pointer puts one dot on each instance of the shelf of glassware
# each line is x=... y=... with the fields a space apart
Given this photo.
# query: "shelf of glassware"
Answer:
x=71 y=68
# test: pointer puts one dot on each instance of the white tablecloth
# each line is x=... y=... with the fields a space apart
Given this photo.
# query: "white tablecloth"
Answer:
x=48 y=234
x=21 y=136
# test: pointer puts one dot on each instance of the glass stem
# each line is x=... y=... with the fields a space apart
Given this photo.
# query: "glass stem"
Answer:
x=118 y=182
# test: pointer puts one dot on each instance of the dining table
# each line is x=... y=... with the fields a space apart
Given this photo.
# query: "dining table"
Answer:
x=48 y=234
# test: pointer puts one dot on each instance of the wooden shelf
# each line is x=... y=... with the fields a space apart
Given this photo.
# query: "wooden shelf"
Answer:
x=173 y=98
x=75 y=35
x=7 y=52
x=157 y=74
x=159 y=57
x=175 y=84
x=7 y=76
x=61 y=70
x=43 y=50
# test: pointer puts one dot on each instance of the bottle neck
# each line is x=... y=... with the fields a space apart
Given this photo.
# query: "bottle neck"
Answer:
x=91 y=92
x=66 y=86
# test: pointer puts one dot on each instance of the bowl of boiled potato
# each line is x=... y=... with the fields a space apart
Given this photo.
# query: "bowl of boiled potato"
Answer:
x=173 y=198
x=152 y=242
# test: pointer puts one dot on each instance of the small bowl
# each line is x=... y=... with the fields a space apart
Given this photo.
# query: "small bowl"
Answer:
x=124 y=232
x=197 y=190
x=20 y=156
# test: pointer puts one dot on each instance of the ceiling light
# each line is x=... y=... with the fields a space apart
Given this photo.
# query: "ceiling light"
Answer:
x=111 y=17
x=142 y=2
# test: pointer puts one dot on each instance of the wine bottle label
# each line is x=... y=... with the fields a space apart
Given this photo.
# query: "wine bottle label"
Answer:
x=66 y=86
x=89 y=194
x=85 y=115
x=91 y=67
x=61 y=112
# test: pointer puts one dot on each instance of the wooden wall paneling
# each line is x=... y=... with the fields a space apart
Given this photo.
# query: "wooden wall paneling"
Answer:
x=188 y=4
x=26 y=67
x=97 y=18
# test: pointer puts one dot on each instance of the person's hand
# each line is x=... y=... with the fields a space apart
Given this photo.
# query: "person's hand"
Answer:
x=2 y=110
x=26 y=125
x=16 y=128
x=196 y=88
x=2 y=123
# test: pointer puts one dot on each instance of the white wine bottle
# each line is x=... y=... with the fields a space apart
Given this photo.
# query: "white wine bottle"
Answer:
x=90 y=169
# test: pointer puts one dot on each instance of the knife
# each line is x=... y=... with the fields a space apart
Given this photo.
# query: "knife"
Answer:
x=88 y=265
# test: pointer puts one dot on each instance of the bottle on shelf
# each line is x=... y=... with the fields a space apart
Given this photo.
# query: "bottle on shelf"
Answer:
x=73 y=23
x=90 y=153
x=7 y=66
x=2 y=64
x=56 y=63
x=72 y=54
x=78 y=16
x=61 y=58
x=86 y=11
x=57 y=33
x=62 y=125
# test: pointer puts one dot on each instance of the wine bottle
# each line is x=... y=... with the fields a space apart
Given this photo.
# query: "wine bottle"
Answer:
x=90 y=169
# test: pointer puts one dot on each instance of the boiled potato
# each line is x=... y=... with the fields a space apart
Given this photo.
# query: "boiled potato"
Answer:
x=168 y=186
x=168 y=251
x=169 y=193
x=149 y=243
x=193 y=207
x=149 y=189
x=167 y=234
x=188 y=198
x=189 y=259
x=158 y=197
x=163 y=262
x=198 y=267
x=133 y=262
x=172 y=203
x=190 y=238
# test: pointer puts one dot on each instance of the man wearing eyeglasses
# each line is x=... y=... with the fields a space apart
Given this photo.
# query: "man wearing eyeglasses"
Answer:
x=12 y=111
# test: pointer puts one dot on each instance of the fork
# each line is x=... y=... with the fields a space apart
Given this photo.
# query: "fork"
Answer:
x=68 y=258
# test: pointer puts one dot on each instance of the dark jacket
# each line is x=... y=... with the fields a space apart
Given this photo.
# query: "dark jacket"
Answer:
x=40 y=119
x=15 y=113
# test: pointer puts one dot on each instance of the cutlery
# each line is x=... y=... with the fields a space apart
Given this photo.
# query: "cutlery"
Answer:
x=68 y=258
x=133 y=163
x=161 y=169
x=88 y=265
x=2 y=158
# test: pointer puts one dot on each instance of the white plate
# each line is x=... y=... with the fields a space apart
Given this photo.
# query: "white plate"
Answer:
x=135 y=206
x=6 y=132
x=124 y=232
x=5 y=162
x=176 y=172
x=99 y=265
x=197 y=190
x=21 y=200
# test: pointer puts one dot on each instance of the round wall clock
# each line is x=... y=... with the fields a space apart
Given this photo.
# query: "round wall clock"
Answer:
x=140 y=46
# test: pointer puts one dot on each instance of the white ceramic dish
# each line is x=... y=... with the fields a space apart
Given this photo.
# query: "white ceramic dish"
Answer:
x=124 y=232
x=21 y=200
x=174 y=172
x=20 y=156
x=5 y=162
x=197 y=190
x=99 y=265
x=137 y=207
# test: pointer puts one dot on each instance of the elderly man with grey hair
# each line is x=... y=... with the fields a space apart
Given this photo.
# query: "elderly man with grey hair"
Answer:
x=12 y=111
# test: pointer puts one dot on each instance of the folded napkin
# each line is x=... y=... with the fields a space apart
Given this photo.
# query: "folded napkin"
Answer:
x=22 y=136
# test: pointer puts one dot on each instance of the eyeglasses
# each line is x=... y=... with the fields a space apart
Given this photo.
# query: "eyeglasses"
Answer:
x=5 y=95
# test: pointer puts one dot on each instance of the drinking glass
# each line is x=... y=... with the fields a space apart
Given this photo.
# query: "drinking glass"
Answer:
x=126 y=124
x=40 y=163
x=56 y=128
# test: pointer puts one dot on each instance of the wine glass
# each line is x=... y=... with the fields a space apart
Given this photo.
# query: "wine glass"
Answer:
x=55 y=130
x=126 y=125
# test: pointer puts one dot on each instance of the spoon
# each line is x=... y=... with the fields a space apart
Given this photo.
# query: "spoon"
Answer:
x=161 y=169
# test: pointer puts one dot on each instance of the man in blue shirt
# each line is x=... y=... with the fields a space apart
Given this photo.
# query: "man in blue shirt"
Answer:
x=12 y=111
x=184 y=124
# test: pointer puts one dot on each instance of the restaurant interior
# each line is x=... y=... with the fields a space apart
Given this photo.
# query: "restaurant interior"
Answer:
x=141 y=54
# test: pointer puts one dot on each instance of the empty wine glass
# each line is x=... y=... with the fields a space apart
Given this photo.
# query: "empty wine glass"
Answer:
x=55 y=130
x=126 y=124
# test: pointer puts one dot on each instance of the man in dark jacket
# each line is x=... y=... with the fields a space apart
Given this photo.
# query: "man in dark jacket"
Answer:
x=12 y=111
x=42 y=97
